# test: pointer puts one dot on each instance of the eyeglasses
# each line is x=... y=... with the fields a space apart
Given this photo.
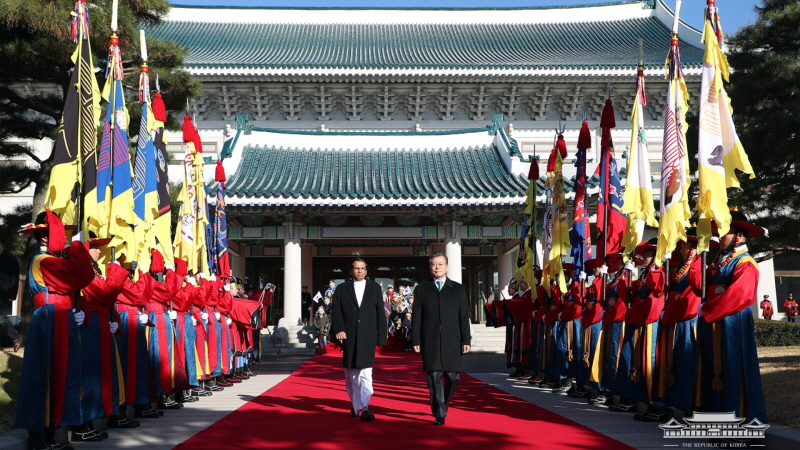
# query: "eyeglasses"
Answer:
x=359 y=268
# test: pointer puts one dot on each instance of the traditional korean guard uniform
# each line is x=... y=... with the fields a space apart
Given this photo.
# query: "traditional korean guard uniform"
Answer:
x=790 y=307
x=636 y=372
x=519 y=313
x=613 y=322
x=185 y=354
x=49 y=390
x=678 y=348
x=134 y=353
x=587 y=373
x=766 y=308
x=550 y=337
x=100 y=368
x=224 y=308
x=536 y=358
x=731 y=380
x=570 y=346
x=161 y=338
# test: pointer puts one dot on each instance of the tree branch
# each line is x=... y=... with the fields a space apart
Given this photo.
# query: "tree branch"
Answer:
x=20 y=188
x=14 y=97
x=32 y=156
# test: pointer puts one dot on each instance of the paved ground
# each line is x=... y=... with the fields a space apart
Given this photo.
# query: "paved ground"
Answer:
x=177 y=426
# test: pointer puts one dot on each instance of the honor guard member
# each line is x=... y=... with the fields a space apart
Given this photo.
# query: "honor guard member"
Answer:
x=161 y=340
x=536 y=358
x=552 y=379
x=731 y=380
x=570 y=346
x=616 y=305
x=518 y=313
x=588 y=372
x=766 y=308
x=678 y=347
x=99 y=369
x=133 y=343
x=185 y=354
x=50 y=389
x=790 y=306
x=638 y=361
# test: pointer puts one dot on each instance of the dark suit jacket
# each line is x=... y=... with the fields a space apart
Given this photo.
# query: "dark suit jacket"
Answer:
x=440 y=325
x=365 y=326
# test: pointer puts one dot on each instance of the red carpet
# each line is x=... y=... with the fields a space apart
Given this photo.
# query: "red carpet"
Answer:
x=309 y=410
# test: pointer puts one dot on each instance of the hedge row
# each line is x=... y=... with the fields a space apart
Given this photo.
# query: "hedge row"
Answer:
x=772 y=333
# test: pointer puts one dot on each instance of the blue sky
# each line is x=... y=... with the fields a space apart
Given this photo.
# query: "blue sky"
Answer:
x=734 y=13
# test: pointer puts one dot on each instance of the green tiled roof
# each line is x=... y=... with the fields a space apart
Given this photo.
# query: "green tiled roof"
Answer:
x=598 y=45
x=465 y=173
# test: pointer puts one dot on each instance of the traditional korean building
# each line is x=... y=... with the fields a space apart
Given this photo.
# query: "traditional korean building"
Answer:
x=393 y=133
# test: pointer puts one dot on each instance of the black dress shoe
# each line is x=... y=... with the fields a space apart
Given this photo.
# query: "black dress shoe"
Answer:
x=89 y=436
x=353 y=412
x=439 y=421
x=116 y=423
x=367 y=416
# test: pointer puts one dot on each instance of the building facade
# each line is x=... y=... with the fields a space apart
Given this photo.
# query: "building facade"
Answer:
x=394 y=133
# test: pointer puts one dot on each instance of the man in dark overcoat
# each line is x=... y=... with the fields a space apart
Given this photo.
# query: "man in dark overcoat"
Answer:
x=440 y=330
x=358 y=322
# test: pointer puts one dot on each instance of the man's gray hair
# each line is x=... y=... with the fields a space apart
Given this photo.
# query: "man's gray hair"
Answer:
x=436 y=255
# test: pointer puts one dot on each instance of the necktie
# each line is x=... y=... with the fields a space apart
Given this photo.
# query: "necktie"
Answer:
x=439 y=284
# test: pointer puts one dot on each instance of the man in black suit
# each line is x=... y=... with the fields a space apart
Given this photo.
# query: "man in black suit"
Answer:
x=440 y=329
x=358 y=322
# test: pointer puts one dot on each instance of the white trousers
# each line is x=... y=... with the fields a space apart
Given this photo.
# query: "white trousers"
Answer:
x=358 y=383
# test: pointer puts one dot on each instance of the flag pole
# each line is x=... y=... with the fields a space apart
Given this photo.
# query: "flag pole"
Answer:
x=83 y=27
x=604 y=142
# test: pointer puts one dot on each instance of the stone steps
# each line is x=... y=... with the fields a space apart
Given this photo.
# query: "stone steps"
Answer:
x=301 y=341
x=488 y=340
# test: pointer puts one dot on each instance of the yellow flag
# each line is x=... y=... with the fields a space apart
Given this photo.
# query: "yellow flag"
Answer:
x=638 y=205
x=675 y=211
x=719 y=150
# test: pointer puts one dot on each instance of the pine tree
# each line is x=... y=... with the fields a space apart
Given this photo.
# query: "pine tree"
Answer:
x=765 y=95
x=35 y=49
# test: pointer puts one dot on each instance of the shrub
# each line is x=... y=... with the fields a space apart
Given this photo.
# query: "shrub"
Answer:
x=771 y=333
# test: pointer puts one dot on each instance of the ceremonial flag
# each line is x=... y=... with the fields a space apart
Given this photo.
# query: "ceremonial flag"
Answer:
x=115 y=139
x=558 y=239
x=527 y=247
x=638 y=206
x=675 y=211
x=185 y=242
x=162 y=228
x=76 y=133
x=317 y=297
x=610 y=220
x=145 y=195
x=221 y=226
x=190 y=244
x=719 y=150
x=579 y=236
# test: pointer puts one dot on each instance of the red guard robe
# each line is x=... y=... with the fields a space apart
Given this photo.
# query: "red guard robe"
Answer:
x=162 y=295
x=182 y=303
x=100 y=297
x=132 y=298
x=224 y=307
